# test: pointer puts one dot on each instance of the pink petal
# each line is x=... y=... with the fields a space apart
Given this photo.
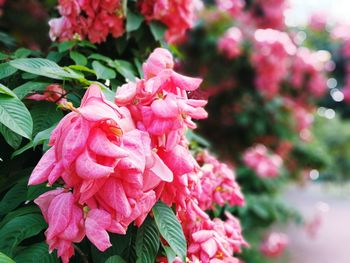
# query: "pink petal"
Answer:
x=125 y=94
x=75 y=141
x=101 y=145
x=165 y=108
x=42 y=170
x=55 y=173
x=210 y=247
x=113 y=194
x=59 y=214
x=95 y=224
x=44 y=200
x=87 y=168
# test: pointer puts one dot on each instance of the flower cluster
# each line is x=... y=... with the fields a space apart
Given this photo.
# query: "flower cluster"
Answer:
x=262 y=162
x=272 y=49
x=269 y=13
x=178 y=16
x=229 y=43
x=217 y=185
x=307 y=71
x=94 y=20
x=115 y=161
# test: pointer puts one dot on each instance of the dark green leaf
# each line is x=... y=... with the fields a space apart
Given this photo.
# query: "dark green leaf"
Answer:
x=147 y=242
x=45 y=115
x=78 y=58
x=13 y=139
x=157 y=30
x=64 y=46
x=133 y=21
x=15 y=116
x=170 y=229
x=44 y=67
x=6 y=70
x=43 y=136
x=19 y=229
x=37 y=253
x=125 y=68
x=14 y=197
x=36 y=190
x=26 y=147
x=115 y=259
x=103 y=72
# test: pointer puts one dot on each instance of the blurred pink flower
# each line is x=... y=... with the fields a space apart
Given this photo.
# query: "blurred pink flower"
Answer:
x=233 y=7
x=274 y=244
x=229 y=43
x=178 y=16
x=263 y=163
x=271 y=51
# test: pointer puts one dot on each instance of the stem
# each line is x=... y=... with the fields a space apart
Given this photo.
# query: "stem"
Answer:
x=81 y=253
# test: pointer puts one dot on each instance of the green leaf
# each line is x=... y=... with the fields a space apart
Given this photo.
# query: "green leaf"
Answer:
x=170 y=229
x=125 y=68
x=44 y=67
x=13 y=139
x=78 y=58
x=4 y=56
x=43 y=136
x=15 y=116
x=6 y=70
x=103 y=72
x=21 y=150
x=100 y=57
x=157 y=30
x=133 y=21
x=19 y=229
x=170 y=254
x=45 y=115
x=147 y=242
x=19 y=212
x=82 y=68
x=6 y=91
x=37 y=190
x=5 y=259
x=30 y=87
x=14 y=197
x=24 y=52
x=115 y=259
x=64 y=46
x=37 y=253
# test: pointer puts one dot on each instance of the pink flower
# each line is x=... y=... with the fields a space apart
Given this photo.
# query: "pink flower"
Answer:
x=94 y=20
x=159 y=103
x=229 y=43
x=53 y=93
x=217 y=184
x=308 y=72
x=178 y=16
x=65 y=220
x=269 y=13
x=215 y=241
x=271 y=51
x=318 y=21
x=274 y=244
x=110 y=166
x=233 y=7
x=261 y=162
